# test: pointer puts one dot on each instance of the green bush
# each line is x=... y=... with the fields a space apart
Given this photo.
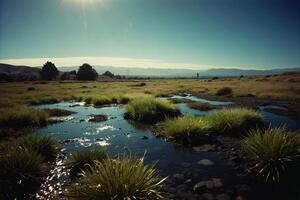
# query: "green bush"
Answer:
x=273 y=152
x=121 y=178
x=82 y=160
x=22 y=116
x=20 y=173
x=150 y=110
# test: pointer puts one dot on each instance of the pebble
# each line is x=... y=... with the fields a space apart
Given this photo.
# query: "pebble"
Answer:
x=205 y=162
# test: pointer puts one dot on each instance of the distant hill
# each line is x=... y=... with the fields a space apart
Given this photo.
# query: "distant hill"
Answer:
x=155 y=72
x=20 y=72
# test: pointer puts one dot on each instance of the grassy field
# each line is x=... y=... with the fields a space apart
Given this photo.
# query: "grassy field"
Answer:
x=280 y=87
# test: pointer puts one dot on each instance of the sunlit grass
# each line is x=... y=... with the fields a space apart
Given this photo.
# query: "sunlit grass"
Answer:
x=272 y=152
x=233 y=122
x=149 y=109
x=22 y=116
x=121 y=178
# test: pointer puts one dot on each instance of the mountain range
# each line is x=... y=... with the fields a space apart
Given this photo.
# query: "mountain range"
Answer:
x=150 y=72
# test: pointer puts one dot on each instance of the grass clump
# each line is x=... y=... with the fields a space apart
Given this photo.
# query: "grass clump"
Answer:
x=20 y=173
x=150 y=110
x=234 y=121
x=43 y=145
x=83 y=160
x=104 y=100
x=272 y=152
x=224 y=91
x=188 y=129
x=122 y=178
x=22 y=116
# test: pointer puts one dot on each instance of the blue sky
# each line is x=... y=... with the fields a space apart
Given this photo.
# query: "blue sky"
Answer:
x=198 y=34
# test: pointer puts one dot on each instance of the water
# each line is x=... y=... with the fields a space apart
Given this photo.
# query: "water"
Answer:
x=198 y=99
x=118 y=135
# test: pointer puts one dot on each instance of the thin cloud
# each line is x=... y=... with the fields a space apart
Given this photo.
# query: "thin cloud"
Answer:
x=110 y=61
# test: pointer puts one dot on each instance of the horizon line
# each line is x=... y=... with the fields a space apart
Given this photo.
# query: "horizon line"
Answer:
x=122 y=62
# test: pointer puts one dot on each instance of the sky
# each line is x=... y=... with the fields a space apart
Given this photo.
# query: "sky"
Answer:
x=194 y=34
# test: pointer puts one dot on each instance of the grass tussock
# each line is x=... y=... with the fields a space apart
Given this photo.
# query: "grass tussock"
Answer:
x=20 y=173
x=224 y=91
x=83 y=160
x=273 y=153
x=122 y=178
x=150 y=110
x=187 y=129
x=106 y=100
x=22 y=165
x=233 y=122
x=22 y=116
x=43 y=145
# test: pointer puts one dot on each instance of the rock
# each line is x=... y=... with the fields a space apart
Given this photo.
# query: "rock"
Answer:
x=144 y=138
x=188 y=181
x=82 y=120
x=199 y=187
x=217 y=182
x=209 y=184
x=179 y=177
x=98 y=118
x=208 y=196
x=223 y=196
x=204 y=148
x=205 y=162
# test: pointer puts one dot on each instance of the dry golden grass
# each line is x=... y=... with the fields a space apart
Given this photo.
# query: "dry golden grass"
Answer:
x=275 y=87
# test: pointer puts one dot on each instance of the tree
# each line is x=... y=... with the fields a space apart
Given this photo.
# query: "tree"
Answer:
x=109 y=74
x=49 y=71
x=86 y=72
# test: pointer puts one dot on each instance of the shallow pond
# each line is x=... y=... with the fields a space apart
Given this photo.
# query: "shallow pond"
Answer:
x=119 y=135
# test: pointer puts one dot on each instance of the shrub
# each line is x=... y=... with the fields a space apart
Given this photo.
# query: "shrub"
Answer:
x=22 y=116
x=272 y=152
x=224 y=91
x=82 y=160
x=20 y=173
x=121 y=178
x=43 y=145
x=149 y=109
x=86 y=72
x=49 y=71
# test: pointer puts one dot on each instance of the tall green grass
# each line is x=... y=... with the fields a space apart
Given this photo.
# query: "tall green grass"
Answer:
x=149 y=109
x=186 y=129
x=43 y=145
x=273 y=153
x=83 y=160
x=20 y=173
x=22 y=116
x=232 y=122
x=122 y=178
